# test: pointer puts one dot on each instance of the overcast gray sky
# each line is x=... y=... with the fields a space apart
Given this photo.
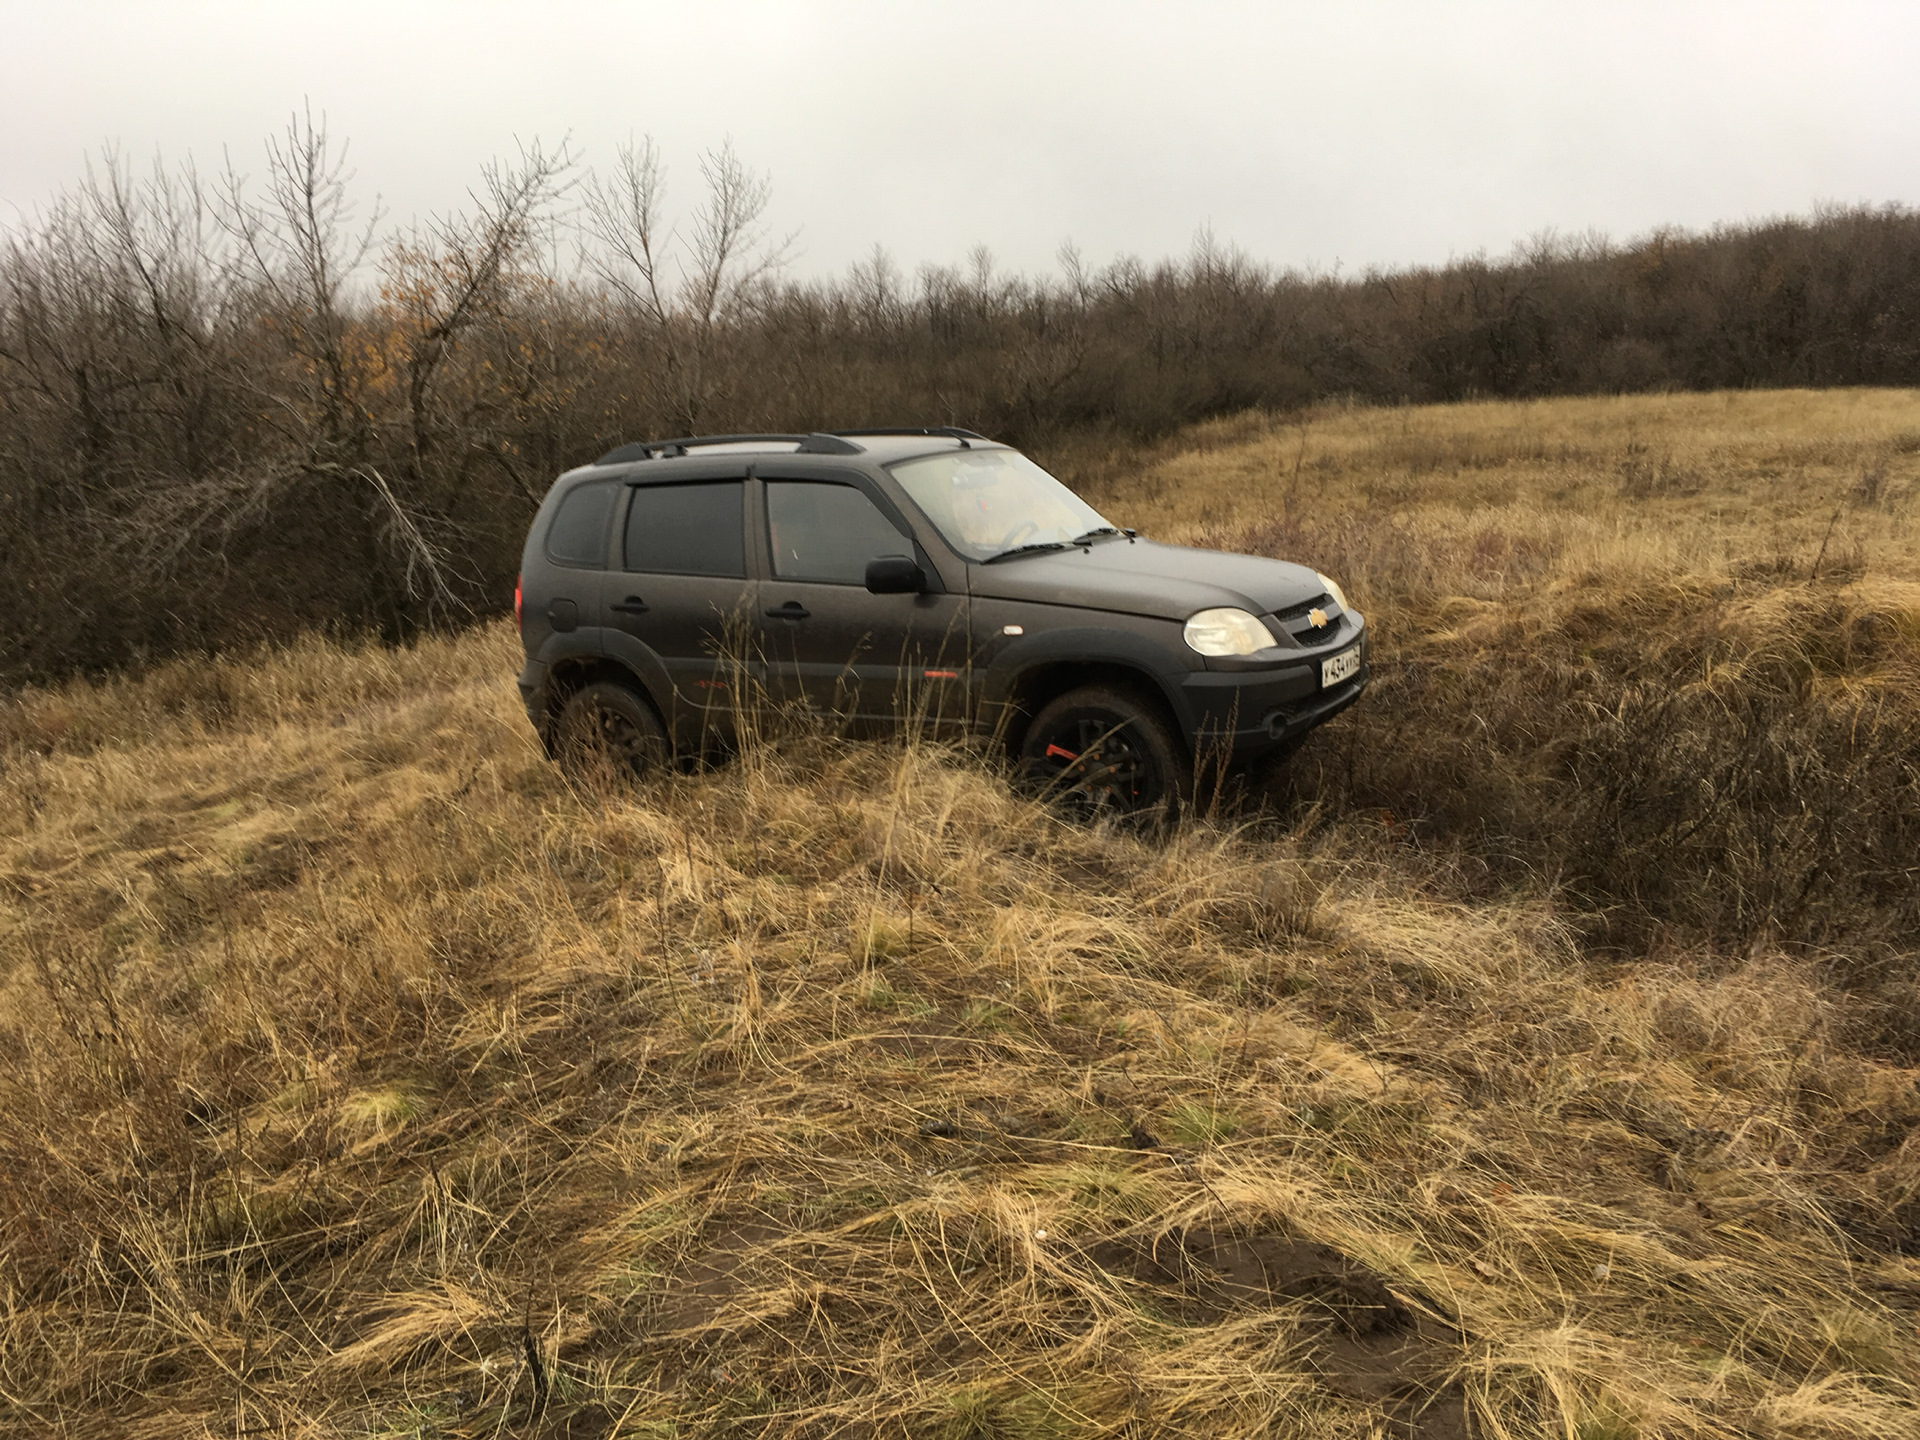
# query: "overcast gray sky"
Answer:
x=1310 y=134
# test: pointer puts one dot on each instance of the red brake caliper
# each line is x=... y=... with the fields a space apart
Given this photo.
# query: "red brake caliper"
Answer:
x=1062 y=752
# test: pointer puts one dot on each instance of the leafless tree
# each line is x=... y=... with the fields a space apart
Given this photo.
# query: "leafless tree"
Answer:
x=450 y=277
x=726 y=257
x=304 y=249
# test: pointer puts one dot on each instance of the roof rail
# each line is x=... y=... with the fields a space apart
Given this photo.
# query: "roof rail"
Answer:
x=820 y=442
x=647 y=449
x=963 y=436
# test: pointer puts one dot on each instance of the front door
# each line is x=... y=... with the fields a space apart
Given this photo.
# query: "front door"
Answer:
x=829 y=643
x=684 y=591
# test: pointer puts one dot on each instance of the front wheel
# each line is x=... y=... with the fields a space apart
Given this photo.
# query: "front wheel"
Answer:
x=605 y=735
x=1099 y=751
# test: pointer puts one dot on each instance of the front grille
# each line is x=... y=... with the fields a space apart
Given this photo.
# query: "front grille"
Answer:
x=1298 y=612
x=1294 y=621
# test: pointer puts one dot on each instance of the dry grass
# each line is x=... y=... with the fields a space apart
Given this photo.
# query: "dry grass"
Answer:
x=359 y=1078
x=1663 y=651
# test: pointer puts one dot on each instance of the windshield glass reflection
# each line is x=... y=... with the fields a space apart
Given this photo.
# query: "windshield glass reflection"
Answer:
x=989 y=503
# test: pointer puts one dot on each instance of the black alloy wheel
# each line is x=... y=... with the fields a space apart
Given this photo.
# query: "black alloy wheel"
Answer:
x=605 y=735
x=1098 y=752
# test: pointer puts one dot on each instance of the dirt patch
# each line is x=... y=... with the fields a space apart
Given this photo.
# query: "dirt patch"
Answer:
x=1363 y=1341
x=591 y=1422
x=723 y=1272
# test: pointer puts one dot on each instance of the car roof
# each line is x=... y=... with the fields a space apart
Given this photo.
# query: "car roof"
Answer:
x=718 y=457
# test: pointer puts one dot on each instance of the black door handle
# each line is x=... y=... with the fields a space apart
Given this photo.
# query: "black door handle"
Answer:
x=792 y=610
x=632 y=605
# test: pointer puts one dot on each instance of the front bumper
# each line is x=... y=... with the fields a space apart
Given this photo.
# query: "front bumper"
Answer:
x=1250 y=713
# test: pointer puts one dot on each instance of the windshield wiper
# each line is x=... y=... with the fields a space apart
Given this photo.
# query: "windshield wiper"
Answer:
x=1097 y=532
x=1027 y=549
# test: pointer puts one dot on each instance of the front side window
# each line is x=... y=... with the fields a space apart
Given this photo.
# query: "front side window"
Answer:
x=989 y=502
x=827 y=532
x=686 y=529
x=578 y=534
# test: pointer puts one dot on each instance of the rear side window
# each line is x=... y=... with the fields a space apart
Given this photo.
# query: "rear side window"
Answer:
x=827 y=532
x=578 y=534
x=686 y=530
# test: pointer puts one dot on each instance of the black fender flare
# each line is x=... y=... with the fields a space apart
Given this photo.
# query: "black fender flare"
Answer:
x=593 y=643
x=646 y=666
x=564 y=645
x=1088 y=646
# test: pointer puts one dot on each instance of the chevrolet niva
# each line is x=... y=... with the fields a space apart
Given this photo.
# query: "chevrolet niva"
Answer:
x=886 y=577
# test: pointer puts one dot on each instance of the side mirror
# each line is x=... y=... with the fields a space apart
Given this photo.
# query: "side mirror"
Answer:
x=895 y=575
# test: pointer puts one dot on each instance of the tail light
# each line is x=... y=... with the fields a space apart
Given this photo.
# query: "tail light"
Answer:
x=519 y=624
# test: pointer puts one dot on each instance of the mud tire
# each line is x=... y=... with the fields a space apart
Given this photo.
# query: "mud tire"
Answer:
x=1100 y=752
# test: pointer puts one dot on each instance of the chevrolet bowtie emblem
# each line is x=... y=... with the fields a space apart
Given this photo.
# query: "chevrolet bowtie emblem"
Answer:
x=1317 y=618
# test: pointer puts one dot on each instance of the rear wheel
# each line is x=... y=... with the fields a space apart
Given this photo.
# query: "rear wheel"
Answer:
x=1100 y=751
x=605 y=735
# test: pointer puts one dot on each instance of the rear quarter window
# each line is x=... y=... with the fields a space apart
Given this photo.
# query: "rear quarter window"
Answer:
x=578 y=534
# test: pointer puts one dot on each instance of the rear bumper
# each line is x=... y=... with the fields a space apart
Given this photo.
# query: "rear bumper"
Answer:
x=533 y=694
x=1250 y=714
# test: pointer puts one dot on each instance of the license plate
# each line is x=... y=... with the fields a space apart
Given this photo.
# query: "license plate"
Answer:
x=1343 y=666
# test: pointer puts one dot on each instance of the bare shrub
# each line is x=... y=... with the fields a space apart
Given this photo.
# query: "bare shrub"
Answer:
x=208 y=403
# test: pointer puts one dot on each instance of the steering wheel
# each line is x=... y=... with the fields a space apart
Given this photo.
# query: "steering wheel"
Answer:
x=1013 y=536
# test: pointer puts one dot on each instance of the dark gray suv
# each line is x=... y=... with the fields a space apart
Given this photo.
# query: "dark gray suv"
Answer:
x=913 y=576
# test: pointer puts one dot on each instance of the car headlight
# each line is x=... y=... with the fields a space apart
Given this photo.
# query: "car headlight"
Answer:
x=1333 y=589
x=1227 y=632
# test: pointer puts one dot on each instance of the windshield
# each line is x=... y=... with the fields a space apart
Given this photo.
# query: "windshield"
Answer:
x=990 y=502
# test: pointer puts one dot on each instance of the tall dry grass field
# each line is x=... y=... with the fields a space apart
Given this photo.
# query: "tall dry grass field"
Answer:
x=1657 y=651
x=1536 y=1063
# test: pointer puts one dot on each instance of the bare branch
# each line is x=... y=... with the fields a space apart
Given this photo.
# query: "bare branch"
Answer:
x=623 y=218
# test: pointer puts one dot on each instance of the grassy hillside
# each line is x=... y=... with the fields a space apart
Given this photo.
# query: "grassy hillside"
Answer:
x=1537 y=1063
x=1658 y=650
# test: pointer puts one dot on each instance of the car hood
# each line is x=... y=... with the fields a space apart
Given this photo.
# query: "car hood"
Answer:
x=1143 y=577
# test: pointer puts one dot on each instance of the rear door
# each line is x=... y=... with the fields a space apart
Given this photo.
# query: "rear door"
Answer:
x=685 y=591
x=829 y=643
